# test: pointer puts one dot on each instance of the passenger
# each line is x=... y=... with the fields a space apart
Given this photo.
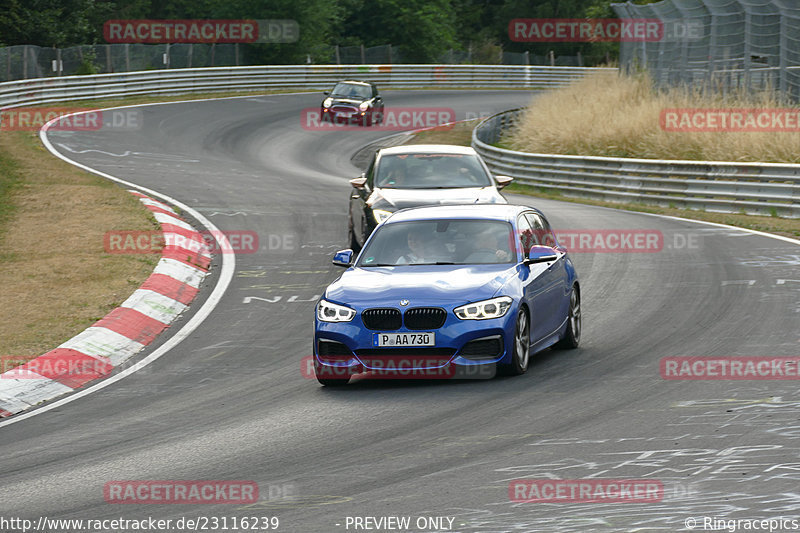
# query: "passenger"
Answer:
x=419 y=248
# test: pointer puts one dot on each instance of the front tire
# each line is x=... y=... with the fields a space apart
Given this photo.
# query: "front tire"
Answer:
x=520 y=358
x=572 y=336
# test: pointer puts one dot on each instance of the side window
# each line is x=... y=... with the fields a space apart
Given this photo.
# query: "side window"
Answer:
x=541 y=229
x=526 y=235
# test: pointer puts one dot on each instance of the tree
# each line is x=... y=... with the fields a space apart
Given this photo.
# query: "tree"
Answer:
x=421 y=29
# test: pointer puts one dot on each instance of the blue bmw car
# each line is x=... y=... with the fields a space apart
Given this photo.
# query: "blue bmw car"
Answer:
x=445 y=288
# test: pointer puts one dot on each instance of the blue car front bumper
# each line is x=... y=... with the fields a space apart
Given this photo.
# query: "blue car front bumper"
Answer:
x=463 y=343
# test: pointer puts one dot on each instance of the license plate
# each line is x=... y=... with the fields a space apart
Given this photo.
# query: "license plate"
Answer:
x=344 y=114
x=422 y=338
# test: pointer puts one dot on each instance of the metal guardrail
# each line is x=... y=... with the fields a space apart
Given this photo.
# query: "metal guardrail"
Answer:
x=48 y=90
x=753 y=188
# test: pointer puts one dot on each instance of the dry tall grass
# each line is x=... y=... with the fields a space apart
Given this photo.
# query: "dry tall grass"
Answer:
x=618 y=116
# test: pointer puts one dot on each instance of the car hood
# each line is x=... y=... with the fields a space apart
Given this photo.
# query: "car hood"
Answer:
x=421 y=284
x=347 y=101
x=402 y=198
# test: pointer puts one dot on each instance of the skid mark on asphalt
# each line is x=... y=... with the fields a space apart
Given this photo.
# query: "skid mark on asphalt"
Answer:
x=128 y=153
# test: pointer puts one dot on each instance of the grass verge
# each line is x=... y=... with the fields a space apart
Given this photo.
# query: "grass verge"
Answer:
x=56 y=277
x=612 y=115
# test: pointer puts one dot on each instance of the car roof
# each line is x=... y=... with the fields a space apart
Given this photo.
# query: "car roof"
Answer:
x=505 y=212
x=427 y=149
x=355 y=82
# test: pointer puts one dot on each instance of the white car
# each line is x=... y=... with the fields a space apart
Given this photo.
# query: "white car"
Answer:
x=417 y=175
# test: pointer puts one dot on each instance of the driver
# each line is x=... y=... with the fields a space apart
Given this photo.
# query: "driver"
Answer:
x=487 y=248
x=397 y=176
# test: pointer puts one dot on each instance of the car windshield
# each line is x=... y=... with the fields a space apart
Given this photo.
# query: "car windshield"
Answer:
x=434 y=242
x=431 y=171
x=352 y=90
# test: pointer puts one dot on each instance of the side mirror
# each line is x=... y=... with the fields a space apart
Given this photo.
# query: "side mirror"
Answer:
x=343 y=258
x=326 y=93
x=359 y=182
x=502 y=181
x=541 y=254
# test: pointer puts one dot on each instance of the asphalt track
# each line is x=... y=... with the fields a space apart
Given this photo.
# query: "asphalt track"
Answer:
x=230 y=402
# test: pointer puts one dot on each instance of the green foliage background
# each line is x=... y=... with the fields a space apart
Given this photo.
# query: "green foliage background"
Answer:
x=420 y=30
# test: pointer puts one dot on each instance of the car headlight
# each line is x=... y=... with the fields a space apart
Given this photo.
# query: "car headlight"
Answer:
x=331 y=312
x=381 y=215
x=363 y=106
x=494 y=308
x=327 y=102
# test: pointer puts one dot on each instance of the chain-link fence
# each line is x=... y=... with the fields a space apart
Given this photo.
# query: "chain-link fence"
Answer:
x=719 y=45
x=27 y=62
